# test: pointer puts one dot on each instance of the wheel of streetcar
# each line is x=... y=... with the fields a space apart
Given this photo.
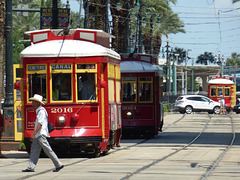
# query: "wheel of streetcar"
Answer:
x=188 y=109
x=216 y=110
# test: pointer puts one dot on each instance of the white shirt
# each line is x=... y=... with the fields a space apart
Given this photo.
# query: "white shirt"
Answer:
x=222 y=102
x=42 y=118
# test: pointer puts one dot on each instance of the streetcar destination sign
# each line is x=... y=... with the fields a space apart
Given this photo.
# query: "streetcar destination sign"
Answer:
x=36 y=67
x=61 y=66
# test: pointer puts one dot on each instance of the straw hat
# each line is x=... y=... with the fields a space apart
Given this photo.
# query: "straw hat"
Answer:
x=37 y=98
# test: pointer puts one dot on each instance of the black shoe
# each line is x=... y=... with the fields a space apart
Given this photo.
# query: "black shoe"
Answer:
x=58 y=169
x=28 y=170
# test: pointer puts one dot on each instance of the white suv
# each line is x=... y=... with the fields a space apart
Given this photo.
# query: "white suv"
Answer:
x=189 y=103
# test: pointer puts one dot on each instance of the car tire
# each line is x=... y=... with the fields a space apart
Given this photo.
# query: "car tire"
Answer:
x=188 y=109
x=182 y=112
x=216 y=110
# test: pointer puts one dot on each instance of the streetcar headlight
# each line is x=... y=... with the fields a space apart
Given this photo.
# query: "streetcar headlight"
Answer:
x=129 y=113
x=62 y=119
x=75 y=117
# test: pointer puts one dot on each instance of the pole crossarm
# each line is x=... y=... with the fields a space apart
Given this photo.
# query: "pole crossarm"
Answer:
x=25 y=10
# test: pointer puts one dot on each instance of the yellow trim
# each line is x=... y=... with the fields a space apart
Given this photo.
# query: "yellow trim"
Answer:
x=37 y=71
x=130 y=81
x=86 y=70
x=28 y=87
x=227 y=87
x=61 y=101
x=111 y=72
x=141 y=82
x=111 y=90
x=18 y=103
x=76 y=88
x=213 y=87
x=118 y=73
x=233 y=96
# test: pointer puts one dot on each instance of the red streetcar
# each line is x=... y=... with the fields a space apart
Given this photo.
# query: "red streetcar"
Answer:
x=142 y=93
x=218 y=86
x=79 y=77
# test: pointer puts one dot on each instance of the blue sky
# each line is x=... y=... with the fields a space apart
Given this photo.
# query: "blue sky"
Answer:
x=211 y=25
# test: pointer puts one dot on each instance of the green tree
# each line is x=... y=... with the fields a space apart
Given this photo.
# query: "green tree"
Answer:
x=181 y=54
x=235 y=1
x=234 y=60
x=170 y=22
x=17 y=46
x=205 y=58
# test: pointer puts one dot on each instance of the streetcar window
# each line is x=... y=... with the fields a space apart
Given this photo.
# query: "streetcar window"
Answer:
x=145 y=89
x=129 y=91
x=61 y=86
x=86 y=87
x=37 y=85
x=227 y=91
x=145 y=92
x=220 y=91
x=213 y=91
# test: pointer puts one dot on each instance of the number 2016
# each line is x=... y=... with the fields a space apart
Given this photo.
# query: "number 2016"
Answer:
x=61 y=110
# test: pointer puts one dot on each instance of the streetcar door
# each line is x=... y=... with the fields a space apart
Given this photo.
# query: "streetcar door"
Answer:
x=18 y=103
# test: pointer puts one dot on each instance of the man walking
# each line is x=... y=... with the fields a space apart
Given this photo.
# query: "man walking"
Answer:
x=39 y=137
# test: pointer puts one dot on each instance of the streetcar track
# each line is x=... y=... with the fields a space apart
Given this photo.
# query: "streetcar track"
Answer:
x=164 y=129
x=170 y=154
x=47 y=171
x=215 y=163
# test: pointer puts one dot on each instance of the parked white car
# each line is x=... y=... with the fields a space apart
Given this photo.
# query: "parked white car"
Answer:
x=196 y=103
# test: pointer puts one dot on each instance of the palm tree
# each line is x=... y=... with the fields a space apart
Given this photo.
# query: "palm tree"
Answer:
x=234 y=60
x=234 y=1
x=182 y=54
x=170 y=22
x=205 y=58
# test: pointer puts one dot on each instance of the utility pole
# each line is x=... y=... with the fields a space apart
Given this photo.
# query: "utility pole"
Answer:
x=193 y=80
x=167 y=68
x=106 y=17
x=186 y=79
x=9 y=56
x=54 y=14
x=2 y=23
x=175 y=75
x=86 y=17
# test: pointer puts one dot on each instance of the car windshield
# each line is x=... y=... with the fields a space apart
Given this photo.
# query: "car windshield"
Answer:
x=179 y=98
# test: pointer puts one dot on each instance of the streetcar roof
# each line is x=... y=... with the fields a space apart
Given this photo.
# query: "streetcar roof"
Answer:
x=220 y=81
x=139 y=67
x=67 y=48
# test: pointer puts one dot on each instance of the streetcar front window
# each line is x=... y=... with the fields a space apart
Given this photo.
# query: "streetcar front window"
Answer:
x=37 y=85
x=86 y=87
x=129 y=89
x=145 y=89
x=220 y=90
x=213 y=91
x=227 y=91
x=61 y=86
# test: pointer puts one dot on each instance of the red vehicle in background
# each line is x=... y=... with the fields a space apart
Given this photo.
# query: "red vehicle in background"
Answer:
x=224 y=86
x=142 y=93
x=79 y=77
